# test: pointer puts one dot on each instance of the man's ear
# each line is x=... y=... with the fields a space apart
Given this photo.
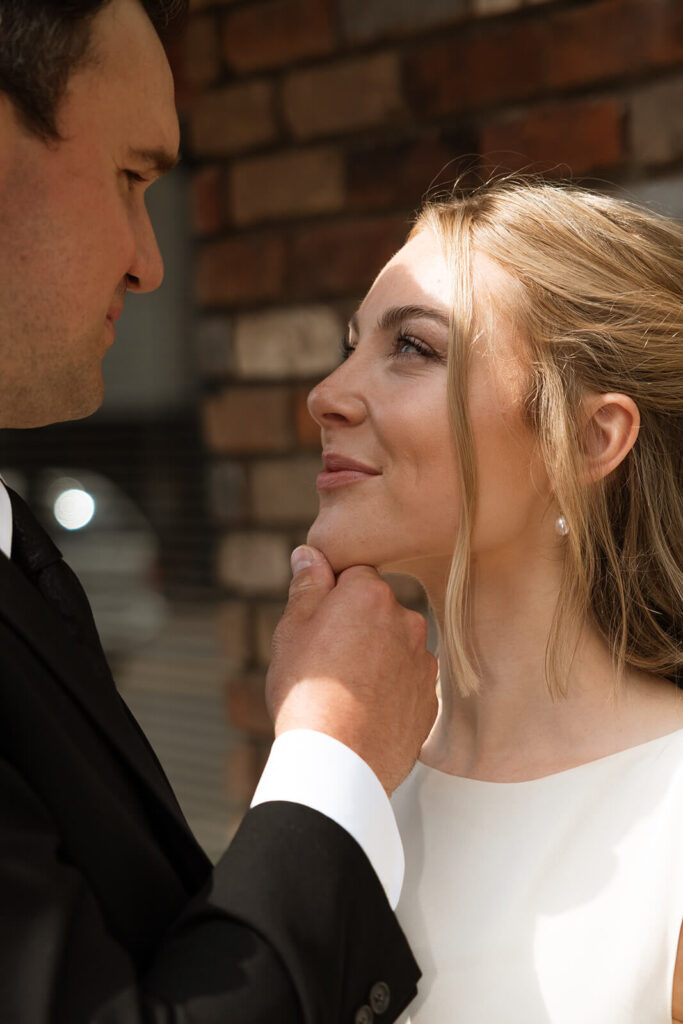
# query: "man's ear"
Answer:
x=612 y=422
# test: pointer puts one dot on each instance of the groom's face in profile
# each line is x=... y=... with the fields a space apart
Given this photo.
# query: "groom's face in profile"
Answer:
x=74 y=229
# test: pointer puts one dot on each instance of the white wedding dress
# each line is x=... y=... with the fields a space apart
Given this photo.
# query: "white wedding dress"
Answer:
x=555 y=901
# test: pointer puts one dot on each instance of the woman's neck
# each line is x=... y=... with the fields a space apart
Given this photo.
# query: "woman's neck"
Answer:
x=513 y=728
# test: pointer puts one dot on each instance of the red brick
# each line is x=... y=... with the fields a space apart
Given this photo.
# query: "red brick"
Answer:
x=207 y=200
x=247 y=705
x=573 y=138
x=202 y=56
x=287 y=184
x=232 y=120
x=489 y=63
x=613 y=38
x=240 y=270
x=364 y=20
x=343 y=97
x=185 y=91
x=247 y=420
x=306 y=429
x=399 y=174
x=343 y=258
x=275 y=33
x=480 y=66
x=283 y=490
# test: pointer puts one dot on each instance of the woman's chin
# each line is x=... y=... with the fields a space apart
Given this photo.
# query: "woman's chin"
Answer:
x=339 y=553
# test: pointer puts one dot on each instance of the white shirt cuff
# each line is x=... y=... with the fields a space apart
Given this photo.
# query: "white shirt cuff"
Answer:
x=5 y=520
x=311 y=768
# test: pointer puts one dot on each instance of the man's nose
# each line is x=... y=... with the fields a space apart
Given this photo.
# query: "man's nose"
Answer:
x=146 y=271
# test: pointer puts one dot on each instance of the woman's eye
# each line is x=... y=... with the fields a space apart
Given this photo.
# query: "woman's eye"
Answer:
x=404 y=345
x=346 y=348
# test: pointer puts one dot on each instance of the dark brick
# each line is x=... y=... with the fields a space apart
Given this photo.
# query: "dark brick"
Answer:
x=363 y=20
x=287 y=184
x=400 y=174
x=208 y=190
x=346 y=96
x=247 y=420
x=306 y=429
x=343 y=258
x=202 y=58
x=480 y=66
x=579 y=137
x=232 y=119
x=240 y=270
x=613 y=38
x=276 y=33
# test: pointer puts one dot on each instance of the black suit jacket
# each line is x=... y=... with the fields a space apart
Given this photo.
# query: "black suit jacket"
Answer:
x=109 y=910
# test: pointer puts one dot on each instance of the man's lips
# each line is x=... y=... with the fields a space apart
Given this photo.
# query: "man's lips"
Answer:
x=114 y=314
x=111 y=318
x=339 y=471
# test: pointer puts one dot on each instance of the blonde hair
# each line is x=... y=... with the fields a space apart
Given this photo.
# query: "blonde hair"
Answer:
x=599 y=297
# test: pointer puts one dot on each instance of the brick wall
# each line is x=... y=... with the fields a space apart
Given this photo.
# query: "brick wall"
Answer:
x=314 y=127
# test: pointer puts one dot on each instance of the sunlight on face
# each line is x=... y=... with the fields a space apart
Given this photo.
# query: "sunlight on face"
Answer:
x=386 y=407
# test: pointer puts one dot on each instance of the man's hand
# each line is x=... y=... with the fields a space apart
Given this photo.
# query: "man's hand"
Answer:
x=349 y=661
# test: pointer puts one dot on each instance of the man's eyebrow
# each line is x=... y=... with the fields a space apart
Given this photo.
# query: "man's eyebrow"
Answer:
x=160 y=160
x=396 y=315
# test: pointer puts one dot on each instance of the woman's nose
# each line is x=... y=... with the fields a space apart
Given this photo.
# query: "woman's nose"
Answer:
x=337 y=400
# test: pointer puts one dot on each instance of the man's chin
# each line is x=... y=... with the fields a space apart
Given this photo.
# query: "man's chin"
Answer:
x=48 y=408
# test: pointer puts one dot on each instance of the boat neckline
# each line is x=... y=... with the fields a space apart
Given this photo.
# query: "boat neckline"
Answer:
x=553 y=775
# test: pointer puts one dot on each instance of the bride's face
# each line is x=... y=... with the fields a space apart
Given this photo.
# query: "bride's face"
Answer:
x=390 y=487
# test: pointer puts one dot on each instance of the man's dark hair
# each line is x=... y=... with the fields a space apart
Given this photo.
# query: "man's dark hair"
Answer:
x=42 y=43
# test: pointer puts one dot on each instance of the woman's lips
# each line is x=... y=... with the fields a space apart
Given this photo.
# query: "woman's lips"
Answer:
x=339 y=471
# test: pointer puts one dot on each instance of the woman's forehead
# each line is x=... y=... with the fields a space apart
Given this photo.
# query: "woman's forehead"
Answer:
x=419 y=274
x=416 y=275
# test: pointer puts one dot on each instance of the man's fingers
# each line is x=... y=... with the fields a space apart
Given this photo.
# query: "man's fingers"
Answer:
x=313 y=579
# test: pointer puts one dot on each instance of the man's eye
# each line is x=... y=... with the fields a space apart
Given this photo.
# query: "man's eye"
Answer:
x=133 y=176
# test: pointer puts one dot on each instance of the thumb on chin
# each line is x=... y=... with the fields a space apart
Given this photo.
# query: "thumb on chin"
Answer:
x=305 y=556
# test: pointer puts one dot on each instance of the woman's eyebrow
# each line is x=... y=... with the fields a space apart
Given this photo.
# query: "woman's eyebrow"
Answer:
x=394 y=316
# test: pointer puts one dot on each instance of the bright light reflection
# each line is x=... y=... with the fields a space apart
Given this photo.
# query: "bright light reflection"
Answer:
x=74 y=509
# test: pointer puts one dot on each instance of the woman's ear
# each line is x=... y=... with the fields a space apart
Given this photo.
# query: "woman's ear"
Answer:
x=612 y=422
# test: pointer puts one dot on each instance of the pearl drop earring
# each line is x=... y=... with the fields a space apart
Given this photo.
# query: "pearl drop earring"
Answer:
x=561 y=527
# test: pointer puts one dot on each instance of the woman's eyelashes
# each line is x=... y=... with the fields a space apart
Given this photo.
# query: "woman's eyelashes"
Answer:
x=402 y=346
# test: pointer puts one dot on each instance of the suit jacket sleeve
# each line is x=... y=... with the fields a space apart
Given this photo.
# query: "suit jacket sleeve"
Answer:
x=293 y=925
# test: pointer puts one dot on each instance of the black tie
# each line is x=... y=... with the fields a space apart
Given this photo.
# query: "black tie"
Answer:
x=41 y=561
